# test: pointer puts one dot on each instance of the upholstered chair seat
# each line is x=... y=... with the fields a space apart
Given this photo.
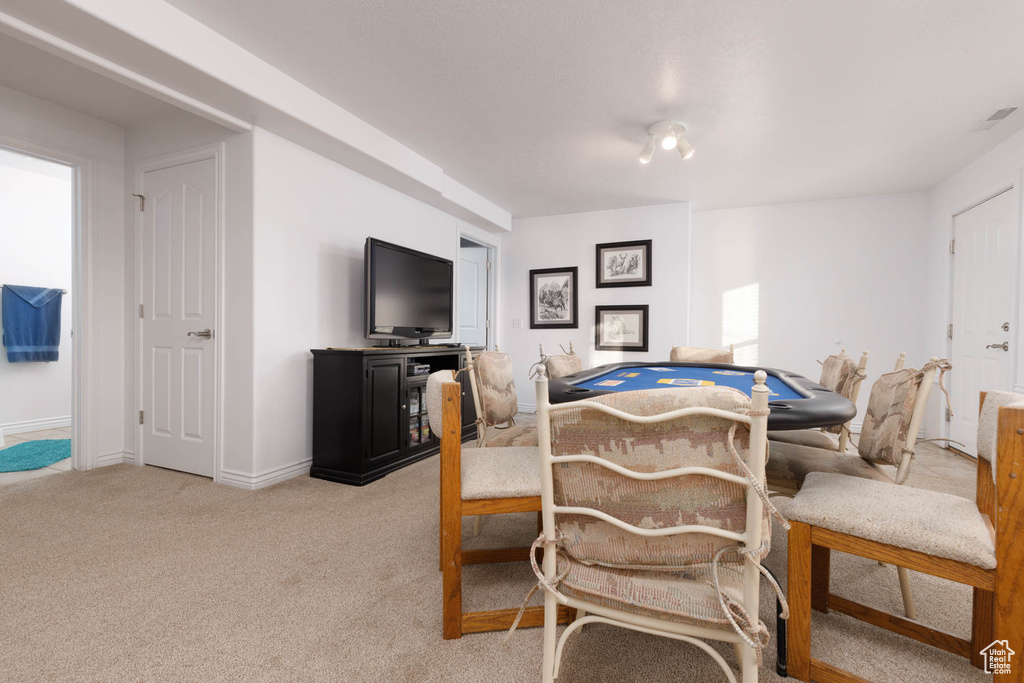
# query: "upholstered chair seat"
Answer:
x=696 y=354
x=515 y=435
x=500 y=473
x=812 y=438
x=937 y=524
x=791 y=463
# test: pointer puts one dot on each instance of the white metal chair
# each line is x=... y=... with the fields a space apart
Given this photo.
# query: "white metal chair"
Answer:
x=696 y=354
x=655 y=518
x=496 y=402
x=563 y=364
x=843 y=375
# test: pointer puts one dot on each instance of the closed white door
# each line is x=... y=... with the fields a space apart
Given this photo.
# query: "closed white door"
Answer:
x=473 y=274
x=179 y=244
x=983 y=295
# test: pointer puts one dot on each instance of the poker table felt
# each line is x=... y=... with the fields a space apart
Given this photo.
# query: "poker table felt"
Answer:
x=795 y=401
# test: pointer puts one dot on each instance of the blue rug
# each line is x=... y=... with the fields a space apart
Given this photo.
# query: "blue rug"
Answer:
x=34 y=455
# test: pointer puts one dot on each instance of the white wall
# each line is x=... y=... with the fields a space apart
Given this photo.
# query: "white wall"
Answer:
x=998 y=169
x=570 y=240
x=311 y=219
x=177 y=132
x=843 y=273
x=34 y=121
x=36 y=230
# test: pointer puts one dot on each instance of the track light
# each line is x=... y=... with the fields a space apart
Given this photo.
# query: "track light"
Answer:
x=645 y=156
x=669 y=135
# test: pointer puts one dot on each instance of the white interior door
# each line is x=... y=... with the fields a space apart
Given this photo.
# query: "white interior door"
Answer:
x=473 y=294
x=983 y=297
x=179 y=245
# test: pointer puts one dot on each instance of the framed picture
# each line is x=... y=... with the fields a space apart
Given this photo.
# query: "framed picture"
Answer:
x=554 y=298
x=624 y=264
x=621 y=328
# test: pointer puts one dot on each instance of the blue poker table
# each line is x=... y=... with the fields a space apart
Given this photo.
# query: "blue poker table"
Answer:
x=795 y=401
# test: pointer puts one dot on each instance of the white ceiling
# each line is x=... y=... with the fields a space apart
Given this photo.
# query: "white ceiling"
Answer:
x=38 y=73
x=542 y=106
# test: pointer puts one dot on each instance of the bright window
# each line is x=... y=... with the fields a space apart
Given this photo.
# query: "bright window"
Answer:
x=740 y=310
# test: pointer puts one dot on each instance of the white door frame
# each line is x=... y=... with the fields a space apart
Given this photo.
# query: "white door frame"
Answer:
x=1013 y=185
x=493 y=247
x=215 y=152
x=83 y=340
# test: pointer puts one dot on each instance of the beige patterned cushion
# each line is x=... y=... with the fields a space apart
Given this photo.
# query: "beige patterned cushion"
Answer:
x=789 y=464
x=926 y=521
x=884 y=435
x=516 y=435
x=494 y=379
x=695 y=354
x=988 y=424
x=688 y=441
x=815 y=438
x=839 y=373
x=562 y=365
x=500 y=473
x=434 y=382
x=687 y=596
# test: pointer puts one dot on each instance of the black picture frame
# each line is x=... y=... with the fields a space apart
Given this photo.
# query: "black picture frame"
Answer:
x=604 y=337
x=543 y=315
x=624 y=253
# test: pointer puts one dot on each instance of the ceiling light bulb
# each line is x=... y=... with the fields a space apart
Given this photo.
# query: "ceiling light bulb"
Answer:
x=645 y=156
x=686 y=150
x=669 y=140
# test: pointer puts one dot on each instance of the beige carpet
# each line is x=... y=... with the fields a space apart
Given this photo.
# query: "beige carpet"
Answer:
x=141 y=574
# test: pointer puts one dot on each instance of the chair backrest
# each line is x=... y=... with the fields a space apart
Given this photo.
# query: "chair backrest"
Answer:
x=561 y=365
x=652 y=478
x=696 y=354
x=494 y=387
x=843 y=375
x=896 y=408
x=433 y=398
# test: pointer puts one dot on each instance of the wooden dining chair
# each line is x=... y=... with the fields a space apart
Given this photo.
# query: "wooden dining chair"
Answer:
x=655 y=518
x=563 y=364
x=974 y=543
x=842 y=374
x=696 y=354
x=494 y=396
x=477 y=481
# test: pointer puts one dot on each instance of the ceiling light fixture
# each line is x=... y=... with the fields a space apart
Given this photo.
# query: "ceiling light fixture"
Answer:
x=669 y=135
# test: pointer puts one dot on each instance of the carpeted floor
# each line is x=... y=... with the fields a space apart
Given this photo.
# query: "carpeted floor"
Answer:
x=142 y=574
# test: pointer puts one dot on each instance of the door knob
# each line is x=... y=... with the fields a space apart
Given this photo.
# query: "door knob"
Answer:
x=1006 y=327
x=205 y=334
x=1005 y=346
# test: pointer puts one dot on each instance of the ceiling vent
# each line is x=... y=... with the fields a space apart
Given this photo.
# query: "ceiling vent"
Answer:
x=995 y=118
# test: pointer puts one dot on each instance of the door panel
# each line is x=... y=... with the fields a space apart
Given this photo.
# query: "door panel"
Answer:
x=984 y=270
x=387 y=410
x=179 y=256
x=473 y=294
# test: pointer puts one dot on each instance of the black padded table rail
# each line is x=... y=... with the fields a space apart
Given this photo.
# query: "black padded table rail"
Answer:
x=814 y=405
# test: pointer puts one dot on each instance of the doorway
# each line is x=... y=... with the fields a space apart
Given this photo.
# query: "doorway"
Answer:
x=476 y=293
x=37 y=229
x=984 y=257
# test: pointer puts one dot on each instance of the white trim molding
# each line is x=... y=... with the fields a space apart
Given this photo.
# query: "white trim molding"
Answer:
x=12 y=428
x=265 y=478
x=115 y=458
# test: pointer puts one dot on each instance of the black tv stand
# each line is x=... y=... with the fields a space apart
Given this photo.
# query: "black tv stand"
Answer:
x=370 y=416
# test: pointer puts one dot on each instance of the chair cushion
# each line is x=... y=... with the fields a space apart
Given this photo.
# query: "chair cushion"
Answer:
x=926 y=521
x=686 y=596
x=886 y=427
x=500 y=473
x=810 y=437
x=695 y=354
x=516 y=435
x=791 y=463
x=839 y=373
x=988 y=423
x=562 y=365
x=434 y=382
x=494 y=379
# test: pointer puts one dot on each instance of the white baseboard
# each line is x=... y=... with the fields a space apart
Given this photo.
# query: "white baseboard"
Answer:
x=129 y=458
x=12 y=428
x=115 y=458
x=265 y=478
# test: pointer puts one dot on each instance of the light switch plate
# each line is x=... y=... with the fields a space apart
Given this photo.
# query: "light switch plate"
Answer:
x=517 y=323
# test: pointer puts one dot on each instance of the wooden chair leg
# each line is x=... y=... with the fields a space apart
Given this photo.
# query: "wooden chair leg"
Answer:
x=982 y=622
x=908 y=596
x=821 y=569
x=798 y=628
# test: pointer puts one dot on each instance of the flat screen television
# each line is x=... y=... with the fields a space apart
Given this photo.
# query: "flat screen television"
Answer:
x=409 y=293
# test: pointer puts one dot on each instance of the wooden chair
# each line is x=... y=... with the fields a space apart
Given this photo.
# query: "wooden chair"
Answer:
x=977 y=544
x=653 y=516
x=561 y=365
x=477 y=481
x=843 y=375
x=496 y=402
x=696 y=354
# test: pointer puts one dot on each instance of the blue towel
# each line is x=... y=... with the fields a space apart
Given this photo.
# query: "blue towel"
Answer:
x=31 y=317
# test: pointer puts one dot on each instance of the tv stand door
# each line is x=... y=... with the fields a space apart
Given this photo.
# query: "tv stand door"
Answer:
x=387 y=410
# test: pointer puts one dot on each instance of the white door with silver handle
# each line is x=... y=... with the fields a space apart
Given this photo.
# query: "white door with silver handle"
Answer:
x=204 y=334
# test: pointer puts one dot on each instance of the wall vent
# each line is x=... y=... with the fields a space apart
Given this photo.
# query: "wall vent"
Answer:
x=995 y=118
